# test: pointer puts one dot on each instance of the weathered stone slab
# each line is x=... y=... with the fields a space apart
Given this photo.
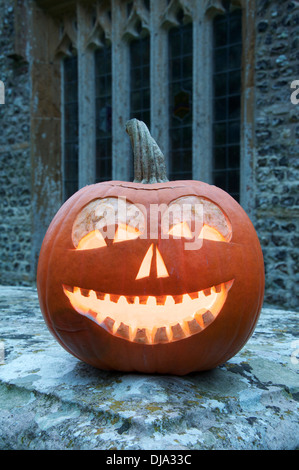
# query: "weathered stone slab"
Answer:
x=50 y=400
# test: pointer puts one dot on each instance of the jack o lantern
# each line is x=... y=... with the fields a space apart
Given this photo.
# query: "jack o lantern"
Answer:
x=151 y=276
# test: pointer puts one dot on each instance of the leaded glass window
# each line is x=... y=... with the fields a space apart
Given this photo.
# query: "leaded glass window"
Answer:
x=140 y=79
x=180 y=100
x=70 y=99
x=103 y=114
x=227 y=101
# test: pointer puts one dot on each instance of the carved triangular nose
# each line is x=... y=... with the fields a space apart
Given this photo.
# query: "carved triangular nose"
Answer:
x=146 y=267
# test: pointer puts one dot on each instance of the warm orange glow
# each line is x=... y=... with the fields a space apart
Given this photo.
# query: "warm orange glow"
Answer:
x=210 y=233
x=125 y=232
x=150 y=319
x=144 y=270
x=92 y=240
x=181 y=230
x=161 y=268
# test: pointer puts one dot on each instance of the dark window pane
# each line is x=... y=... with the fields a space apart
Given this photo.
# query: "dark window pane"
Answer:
x=70 y=91
x=227 y=100
x=180 y=100
x=220 y=179
x=234 y=156
x=220 y=84
x=186 y=137
x=220 y=158
x=220 y=133
x=220 y=32
x=233 y=181
x=233 y=132
x=234 y=82
x=220 y=60
x=139 y=83
x=103 y=105
x=234 y=56
x=234 y=107
x=220 y=109
x=187 y=66
x=235 y=29
x=140 y=79
x=187 y=162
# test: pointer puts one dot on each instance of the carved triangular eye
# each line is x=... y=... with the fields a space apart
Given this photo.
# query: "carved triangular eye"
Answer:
x=125 y=232
x=210 y=233
x=92 y=240
x=180 y=230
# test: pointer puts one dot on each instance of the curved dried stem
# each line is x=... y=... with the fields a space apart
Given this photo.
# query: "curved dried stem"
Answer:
x=149 y=161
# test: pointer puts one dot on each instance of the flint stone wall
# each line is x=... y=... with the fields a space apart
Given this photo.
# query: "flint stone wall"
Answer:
x=277 y=146
x=15 y=172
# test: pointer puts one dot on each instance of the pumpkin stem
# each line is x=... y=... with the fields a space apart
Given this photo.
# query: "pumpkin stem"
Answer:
x=149 y=162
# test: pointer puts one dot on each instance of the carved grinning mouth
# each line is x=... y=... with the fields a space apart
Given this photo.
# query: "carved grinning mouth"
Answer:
x=150 y=319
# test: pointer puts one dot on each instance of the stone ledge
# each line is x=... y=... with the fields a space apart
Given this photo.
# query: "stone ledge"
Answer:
x=50 y=400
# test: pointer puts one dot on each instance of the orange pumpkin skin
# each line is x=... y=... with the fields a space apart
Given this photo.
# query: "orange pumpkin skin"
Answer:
x=113 y=269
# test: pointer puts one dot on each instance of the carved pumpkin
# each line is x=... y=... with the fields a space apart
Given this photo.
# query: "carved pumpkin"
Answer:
x=151 y=276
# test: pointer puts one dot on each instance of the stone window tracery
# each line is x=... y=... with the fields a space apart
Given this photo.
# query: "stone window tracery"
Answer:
x=133 y=61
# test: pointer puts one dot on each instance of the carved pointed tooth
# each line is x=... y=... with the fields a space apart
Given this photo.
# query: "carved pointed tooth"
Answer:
x=143 y=299
x=123 y=331
x=136 y=300
x=178 y=299
x=177 y=332
x=84 y=292
x=141 y=336
x=161 y=335
x=114 y=298
x=108 y=324
x=207 y=317
x=76 y=290
x=161 y=299
x=192 y=325
x=100 y=295
x=193 y=295
x=207 y=291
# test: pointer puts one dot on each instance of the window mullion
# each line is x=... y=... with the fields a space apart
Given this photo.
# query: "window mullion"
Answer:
x=159 y=77
x=202 y=96
x=120 y=94
x=86 y=95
